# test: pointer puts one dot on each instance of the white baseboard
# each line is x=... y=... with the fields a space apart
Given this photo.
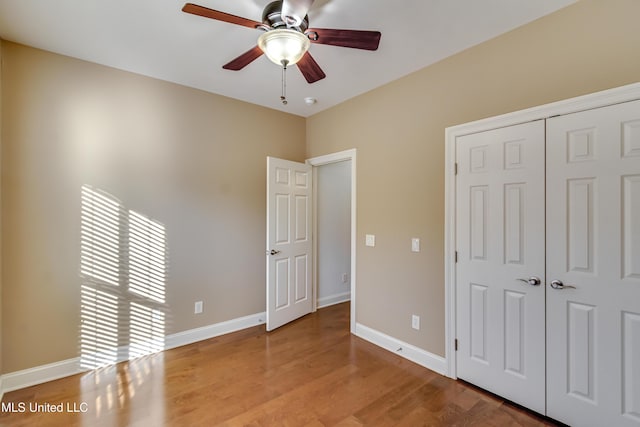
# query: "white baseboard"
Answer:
x=421 y=357
x=204 y=333
x=64 y=368
x=40 y=374
x=333 y=299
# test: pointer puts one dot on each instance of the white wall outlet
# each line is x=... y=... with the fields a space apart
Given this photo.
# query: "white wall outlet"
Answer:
x=415 y=322
x=415 y=244
x=370 y=240
x=345 y=278
x=197 y=309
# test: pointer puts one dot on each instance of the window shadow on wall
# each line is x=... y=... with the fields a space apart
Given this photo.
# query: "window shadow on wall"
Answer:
x=123 y=266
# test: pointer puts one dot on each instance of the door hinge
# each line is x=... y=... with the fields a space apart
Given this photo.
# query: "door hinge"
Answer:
x=455 y=344
x=456 y=256
x=455 y=168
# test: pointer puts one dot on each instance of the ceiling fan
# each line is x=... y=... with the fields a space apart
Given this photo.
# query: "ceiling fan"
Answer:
x=286 y=37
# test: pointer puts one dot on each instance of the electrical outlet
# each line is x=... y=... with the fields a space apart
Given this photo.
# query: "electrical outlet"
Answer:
x=197 y=309
x=370 y=240
x=345 y=278
x=415 y=322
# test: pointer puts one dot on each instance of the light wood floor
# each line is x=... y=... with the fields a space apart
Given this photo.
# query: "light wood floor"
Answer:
x=308 y=373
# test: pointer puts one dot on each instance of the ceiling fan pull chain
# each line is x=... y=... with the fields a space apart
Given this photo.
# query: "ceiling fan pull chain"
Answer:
x=283 y=97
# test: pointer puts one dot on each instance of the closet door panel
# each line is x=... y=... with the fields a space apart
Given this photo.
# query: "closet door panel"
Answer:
x=500 y=240
x=593 y=253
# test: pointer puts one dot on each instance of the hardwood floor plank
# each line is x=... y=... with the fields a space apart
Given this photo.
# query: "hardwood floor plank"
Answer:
x=312 y=372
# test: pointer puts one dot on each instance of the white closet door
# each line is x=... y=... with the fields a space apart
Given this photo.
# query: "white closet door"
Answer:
x=593 y=244
x=500 y=240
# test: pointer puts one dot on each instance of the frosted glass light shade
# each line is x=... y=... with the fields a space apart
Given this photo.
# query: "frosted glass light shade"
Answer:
x=284 y=45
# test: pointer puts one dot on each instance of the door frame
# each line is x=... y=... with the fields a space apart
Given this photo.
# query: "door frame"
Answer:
x=321 y=161
x=586 y=102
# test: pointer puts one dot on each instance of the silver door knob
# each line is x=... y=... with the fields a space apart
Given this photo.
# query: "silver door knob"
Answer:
x=273 y=252
x=557 y=284
x=533 y=281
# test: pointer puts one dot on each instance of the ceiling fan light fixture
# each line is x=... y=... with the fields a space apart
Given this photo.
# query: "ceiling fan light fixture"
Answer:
x=283 y=46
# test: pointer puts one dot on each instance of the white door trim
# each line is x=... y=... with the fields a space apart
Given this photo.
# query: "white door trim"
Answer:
x=325 y=160
x=581 y=103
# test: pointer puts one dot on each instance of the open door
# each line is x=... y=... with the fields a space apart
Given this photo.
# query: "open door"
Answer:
x=289 y=241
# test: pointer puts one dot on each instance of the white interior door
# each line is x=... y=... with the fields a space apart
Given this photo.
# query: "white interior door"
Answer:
x=289 y=241
x=499 y=241
x=593 y=244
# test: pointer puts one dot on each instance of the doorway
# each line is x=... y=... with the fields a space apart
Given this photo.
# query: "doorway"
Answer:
x=333 y=224
x=347 y=157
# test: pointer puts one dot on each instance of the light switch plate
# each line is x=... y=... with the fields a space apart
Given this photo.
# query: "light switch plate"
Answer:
x=370 y=240
x=415 y=244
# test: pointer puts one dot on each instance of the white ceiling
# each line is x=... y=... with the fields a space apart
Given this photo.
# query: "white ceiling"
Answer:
x=155 y=38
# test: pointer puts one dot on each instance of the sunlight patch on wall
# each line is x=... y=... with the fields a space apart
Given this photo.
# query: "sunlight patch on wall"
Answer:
x=147 y=330
x=99 y=330
x=147 y=257
x=100 y=242
x=123 y=265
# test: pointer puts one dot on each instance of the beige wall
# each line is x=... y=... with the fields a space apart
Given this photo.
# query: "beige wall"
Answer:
x=399 y=133
x=193 y=161
x=1 y=369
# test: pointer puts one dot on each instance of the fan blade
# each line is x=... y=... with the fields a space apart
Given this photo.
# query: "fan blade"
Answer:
x=294 y=11
x=194 y=9
x=243 y=60
x=310 y=69
x=357 y=39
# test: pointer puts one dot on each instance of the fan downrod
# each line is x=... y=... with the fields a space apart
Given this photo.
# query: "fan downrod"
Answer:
x=272 y=17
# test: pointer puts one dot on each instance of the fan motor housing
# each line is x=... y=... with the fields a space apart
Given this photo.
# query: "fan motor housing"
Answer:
x=272 y=17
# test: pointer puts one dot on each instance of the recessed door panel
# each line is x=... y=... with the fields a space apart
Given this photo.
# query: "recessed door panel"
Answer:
x=478 y=326
x=514 y=221
x=282 y=219
x=282 y=283
x=479 y=211
x=478 y=159
x=282 y=176
x=514 y=332
x=302 y=179
x=631 y=138
x=631 y=365
x=302 y=267
x=581 y=145
x=514 y=154
x=581 y=350
x=581 y=222
x=302 y=215
x=631 y=227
